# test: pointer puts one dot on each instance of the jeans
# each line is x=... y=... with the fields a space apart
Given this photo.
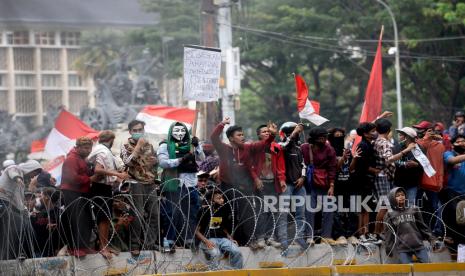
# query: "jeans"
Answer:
x=222 y=246
x=435 y=223
x=327 y=218
x=406 y=257
x=299 y=219
x=412 y=195
x=179 y=214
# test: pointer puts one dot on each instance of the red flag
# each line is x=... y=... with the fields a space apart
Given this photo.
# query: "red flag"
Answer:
x=307 y=109
x=374 y=93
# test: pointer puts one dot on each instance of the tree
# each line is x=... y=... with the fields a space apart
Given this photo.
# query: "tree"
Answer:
x=293 y=41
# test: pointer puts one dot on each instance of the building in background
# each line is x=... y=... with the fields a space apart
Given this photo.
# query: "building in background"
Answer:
x=39 y=42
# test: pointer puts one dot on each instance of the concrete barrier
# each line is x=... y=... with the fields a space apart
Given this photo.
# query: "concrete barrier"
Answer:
x=439 y=269
x=38 y=266
x=184 y=260
x=386 y=269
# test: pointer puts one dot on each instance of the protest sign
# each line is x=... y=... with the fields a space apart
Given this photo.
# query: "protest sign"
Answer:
x=202 y=68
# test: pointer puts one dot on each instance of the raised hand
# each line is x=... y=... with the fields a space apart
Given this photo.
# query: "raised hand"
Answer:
x=226 y=121
x=272 y=128
x=358 y=153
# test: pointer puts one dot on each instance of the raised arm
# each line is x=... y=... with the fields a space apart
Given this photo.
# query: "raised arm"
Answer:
x=215 y=136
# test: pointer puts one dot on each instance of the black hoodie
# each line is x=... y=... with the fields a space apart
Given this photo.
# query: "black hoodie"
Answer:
x=408 y=229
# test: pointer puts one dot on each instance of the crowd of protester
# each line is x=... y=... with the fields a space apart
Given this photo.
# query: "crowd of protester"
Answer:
x=210 y=195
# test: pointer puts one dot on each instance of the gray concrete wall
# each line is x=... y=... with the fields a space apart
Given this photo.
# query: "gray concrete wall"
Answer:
x=148 y=263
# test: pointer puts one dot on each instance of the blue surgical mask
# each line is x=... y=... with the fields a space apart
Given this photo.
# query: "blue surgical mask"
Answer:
x=137 y=136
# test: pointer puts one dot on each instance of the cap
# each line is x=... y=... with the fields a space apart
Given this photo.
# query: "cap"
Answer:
x=202 y=173
x=8 y=163
x=440 y=125
x=287 y=128
x=408 y=131
x=459 y=114
x=29 y=166
x=423 y=125
x=214 y=171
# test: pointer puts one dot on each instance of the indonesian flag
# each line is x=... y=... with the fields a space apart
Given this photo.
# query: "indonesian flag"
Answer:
x=158 y=118
x=62 y=139
x=38 y=145
x=307 y=109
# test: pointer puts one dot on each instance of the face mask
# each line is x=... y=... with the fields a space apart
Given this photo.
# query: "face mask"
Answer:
x=137 y=136
x=459 y=149
x=403 y=143
x=179 y=132
x=421 y=134
x=338 y=144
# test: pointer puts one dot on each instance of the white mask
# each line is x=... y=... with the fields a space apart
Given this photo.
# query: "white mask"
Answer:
x=179 y=132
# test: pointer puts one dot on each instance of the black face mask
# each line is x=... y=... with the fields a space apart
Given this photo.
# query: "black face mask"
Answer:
x=338 y=144
x=459 y=149
x=421 y=134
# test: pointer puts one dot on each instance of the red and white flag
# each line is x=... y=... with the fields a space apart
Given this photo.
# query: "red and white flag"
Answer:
x=158 y=118
x=62 y=137
x=307 y=109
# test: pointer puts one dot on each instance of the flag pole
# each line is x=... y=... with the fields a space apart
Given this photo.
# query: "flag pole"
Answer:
x=197 y=110
x=381 y=33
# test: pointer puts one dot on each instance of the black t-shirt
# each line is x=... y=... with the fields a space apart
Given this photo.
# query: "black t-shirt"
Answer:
x=293 y=159
x=361 y=177
x=407 y=177
x=213 y=222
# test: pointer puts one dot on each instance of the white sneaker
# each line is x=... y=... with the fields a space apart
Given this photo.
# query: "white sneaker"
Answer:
x=328 y=241
x=261 y=244
x=363 y=239
x=341 y=241
x=272 y=242
x=353 y=240
x=310 y=242
x=375 y=239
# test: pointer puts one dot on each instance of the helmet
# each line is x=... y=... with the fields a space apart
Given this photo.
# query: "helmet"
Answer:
x=287 y=128
x=459 y=114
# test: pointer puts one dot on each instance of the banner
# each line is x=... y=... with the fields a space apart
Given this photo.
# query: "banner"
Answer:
x=202 y=68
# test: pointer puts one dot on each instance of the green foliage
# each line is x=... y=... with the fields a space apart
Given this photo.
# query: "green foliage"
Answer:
x=319 y=40
x=432 y=71
x=179 y=25
x=98 y=51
